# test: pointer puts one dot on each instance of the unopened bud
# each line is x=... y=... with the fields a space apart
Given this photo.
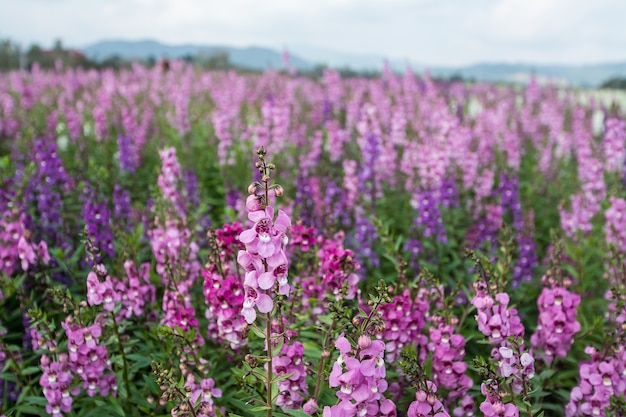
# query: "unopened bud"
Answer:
x=271 y=166
x=364 y=341
x=265 y=178
x=325 y=353
x=278 y=190
x=252 y=188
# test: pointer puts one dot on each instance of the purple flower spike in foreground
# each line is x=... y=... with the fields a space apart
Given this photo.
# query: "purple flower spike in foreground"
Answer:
x=264 y=257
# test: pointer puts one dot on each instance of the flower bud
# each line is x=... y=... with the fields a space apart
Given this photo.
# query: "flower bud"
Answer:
x=252 y=188
x=364 y=341
x=278 y=190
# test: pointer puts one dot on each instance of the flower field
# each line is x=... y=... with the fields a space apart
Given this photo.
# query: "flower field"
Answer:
x=187 y=243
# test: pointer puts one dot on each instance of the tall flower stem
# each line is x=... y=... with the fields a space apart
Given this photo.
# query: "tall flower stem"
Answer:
x=125 y=370
x=270 y=371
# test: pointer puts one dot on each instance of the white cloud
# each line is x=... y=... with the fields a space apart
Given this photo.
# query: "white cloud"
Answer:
x=428 y=31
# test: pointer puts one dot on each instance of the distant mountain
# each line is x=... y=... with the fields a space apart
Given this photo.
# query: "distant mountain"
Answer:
x=578 y=75
x=256 y=58
x=307 y=57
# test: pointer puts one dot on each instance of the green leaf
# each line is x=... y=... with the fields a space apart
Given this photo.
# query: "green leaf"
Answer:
x=296 y=413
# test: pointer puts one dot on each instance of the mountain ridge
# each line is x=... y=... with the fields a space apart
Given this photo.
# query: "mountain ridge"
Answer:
x=306 y=58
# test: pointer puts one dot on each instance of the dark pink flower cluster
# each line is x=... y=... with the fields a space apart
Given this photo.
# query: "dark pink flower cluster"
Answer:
x=495 y=319
x=264 y=258
x=293 y=390
x=178 y=309
x=337 y=267
x=601 y=378
x=360 y=373
x=88 y=360
x=493 y=405
x=427 y=403
x=302 y=237
x=228 y=239
x=448 y=349
x=56 y=382
x=224 y=298
x=404 y=318
x=201 y=396
x=557 y=323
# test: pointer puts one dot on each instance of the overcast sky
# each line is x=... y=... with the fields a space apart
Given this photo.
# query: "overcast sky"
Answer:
x=433 y=32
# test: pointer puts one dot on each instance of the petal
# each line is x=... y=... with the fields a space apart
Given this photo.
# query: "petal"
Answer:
x=266 y=280
x=264 y=303
x=247 y=236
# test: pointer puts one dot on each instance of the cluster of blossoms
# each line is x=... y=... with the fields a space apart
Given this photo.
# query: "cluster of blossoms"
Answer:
x=587 y=202
x=224 y=298
x=102 y=292
x=495 y=319
x=427 y=403
x=126 y=153
x=97 y=216
x=56 y=382
x=508 y=193
x=302 y=237
x=365 y=234
x=88 y=360
x=175 y=251
x=405 y=319
x=136 y=291
x=334 y=275
x=499 y=323
x=360 y=374
x=264 y=259
x=15 y=248
x=557 y=323
x=228 y=239
x=201 y=397
x=429 y=219
x=493 y=405
x=293 y=390
x=449 y=369
x=133 y=292
x=613 y=144
x=122 y=208
x=44 y=192
x=615 y=226
x=169 y=180
x=601 y=378
x=483 y=233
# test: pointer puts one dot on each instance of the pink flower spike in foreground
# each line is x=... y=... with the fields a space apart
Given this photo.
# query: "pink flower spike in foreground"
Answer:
x=264 y=258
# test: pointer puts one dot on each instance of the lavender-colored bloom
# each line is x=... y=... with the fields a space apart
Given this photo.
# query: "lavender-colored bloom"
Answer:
x=97 y=216
x=367 y=177
x=508 y=192
x=122 y=209
x=43 y=201
x=429 y=218
x=365 y=235
x=126 y=153
x=526 y=261
x=190 y=181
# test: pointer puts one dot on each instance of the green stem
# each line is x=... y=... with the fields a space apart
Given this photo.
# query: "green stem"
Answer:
x=125 y=371
x=320 y=367
x=270 y=370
